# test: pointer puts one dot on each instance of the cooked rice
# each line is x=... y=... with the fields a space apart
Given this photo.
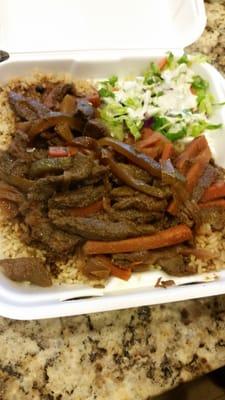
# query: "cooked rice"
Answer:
x=69 y=273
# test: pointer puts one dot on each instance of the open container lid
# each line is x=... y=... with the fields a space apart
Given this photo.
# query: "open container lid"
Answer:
x=65 y=25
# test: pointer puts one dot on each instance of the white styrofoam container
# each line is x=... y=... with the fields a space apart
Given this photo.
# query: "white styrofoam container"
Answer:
x=119 y=37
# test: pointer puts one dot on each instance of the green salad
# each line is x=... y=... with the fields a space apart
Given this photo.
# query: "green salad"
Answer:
x=169 y=98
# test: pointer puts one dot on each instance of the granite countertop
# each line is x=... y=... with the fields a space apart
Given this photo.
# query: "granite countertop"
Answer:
x=122 y=355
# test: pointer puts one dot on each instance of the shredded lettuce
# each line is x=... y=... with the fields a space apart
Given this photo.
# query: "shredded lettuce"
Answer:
x=132 y=102
x=113 y=80
x=127 y=104
x=180 y=129
x=134 y=127
x=184 y=59
x=205 y=103
x=106 y=89
x=197 y=128
x=205 y=99
x=176 y=135
x=114 y=115
x=171 y=61
x=105 y=92
x=113 y=111
x=173 y=131
x=152 y=75
x=160 y=123
x=198 y=83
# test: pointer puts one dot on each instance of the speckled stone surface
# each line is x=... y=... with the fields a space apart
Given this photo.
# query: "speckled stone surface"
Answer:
x=122 y=355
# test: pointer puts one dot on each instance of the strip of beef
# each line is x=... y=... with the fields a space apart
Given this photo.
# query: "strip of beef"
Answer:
x=95 y=267
x=9 y=210
x=122 y=191
x=209 y=176
x=81 y=197
x=74 y=168
x=12 y=166
x=177 y=265
x=95 y=128
x=214 y=215
x=189 y=213
x=137 y=172
x=81 y=169
x=8 y=192
x=84 y=110
x=141 y=202
x=19 y=148
x=98 y=173
x=56 y=94
x=51 y=166
x=138 y=216
x=10 y=201
x=169 y=260
x=125 y=260
x=43 y=188
x=6 y=162
x=26 y=269
x=50 y=237
x=26 y=108
x=101 y=228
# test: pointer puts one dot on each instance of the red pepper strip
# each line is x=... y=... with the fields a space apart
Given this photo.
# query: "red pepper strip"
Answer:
x=59 y=151
x=138 y=158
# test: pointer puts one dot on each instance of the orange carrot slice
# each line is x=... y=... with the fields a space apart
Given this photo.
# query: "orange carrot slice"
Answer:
x=162 y=63
x=146 y=133
x=168 y=237
x=172 y=208
x=197 y=169
x=153 y=152
x=124 y=274
x=191 y=151
x=215 y=203
x=215 y=191
x=167 y=151
x=121 y=273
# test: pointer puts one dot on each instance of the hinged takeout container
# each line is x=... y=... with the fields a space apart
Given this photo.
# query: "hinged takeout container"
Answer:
x=96 y=39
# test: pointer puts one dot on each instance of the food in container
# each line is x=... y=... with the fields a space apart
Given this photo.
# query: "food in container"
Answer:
x=92 y=176
x=24 y=301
